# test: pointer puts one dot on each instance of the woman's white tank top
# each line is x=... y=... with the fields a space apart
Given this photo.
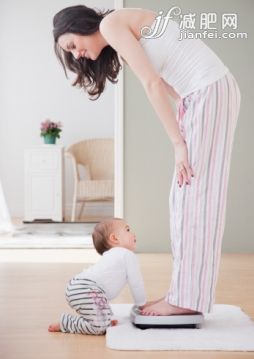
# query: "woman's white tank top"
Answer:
x=187 y=65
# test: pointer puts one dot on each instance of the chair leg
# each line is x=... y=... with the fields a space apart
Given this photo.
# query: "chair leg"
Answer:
x=73 y=209
x=81 y=209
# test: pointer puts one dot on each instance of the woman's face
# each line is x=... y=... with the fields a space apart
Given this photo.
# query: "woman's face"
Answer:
x=87 y=46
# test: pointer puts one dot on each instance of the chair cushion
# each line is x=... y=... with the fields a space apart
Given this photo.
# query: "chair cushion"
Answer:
x=95 y=189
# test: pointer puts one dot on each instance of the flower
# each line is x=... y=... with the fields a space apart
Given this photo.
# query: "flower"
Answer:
x=51 y=128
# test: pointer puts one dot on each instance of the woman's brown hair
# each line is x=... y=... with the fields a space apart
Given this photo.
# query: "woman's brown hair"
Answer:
x=91 y=75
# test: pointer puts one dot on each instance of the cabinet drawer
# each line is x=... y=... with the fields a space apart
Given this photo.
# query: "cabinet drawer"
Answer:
x=44 y=160
x=44 y=183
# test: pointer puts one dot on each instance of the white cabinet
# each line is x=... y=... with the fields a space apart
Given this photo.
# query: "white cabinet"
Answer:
x=44 y=183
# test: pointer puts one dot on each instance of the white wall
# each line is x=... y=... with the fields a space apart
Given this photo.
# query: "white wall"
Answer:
x=33 y=87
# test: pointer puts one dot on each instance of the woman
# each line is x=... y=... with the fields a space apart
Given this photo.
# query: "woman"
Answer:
x=88 y=43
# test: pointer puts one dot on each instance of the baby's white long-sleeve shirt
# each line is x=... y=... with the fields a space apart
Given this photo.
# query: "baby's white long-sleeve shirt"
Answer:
x=117 y=267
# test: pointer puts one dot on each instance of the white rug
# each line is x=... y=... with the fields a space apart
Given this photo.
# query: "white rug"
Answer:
x=35 y=241
x=49 y=235
x=227 y=328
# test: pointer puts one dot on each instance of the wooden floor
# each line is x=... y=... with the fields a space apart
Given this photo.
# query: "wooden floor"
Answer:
x=32 y=296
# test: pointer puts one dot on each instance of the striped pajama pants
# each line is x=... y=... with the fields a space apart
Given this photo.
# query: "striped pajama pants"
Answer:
x=207 y=119
x=90 y=303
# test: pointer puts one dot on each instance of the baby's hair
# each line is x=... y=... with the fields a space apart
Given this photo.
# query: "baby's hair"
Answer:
x=101 y=234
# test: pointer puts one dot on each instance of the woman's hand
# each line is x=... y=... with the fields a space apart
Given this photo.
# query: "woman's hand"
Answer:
x=183 y=170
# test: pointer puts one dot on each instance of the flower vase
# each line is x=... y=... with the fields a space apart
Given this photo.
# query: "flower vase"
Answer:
x=49 y=139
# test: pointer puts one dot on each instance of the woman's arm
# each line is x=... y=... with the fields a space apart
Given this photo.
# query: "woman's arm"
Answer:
x=158 y=97
x=118 y=34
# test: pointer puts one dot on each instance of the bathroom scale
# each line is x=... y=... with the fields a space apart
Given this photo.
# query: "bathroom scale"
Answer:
x=163 y=321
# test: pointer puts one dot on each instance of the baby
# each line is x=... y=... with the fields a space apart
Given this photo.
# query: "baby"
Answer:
x=90 y=291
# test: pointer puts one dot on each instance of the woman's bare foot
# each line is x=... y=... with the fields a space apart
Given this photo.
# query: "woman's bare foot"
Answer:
x=164 y=308
x=149 y=303
x=55 y=327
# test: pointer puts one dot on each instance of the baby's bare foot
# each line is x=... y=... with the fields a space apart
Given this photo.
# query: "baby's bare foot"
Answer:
x=114 y=322
x=55 y=327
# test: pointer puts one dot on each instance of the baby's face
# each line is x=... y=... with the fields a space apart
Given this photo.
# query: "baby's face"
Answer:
x=126 y=238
